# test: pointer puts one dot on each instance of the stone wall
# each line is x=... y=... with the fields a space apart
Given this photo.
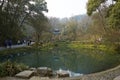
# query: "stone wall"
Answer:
x=104 y=75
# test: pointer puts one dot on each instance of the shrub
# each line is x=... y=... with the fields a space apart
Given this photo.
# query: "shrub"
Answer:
x=117 y=48
x=10 y=69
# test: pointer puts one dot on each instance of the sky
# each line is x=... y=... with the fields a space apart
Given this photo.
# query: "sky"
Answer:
x=65 y=8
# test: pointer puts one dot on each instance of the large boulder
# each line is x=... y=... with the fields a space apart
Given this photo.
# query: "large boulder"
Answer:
x=25 y=74
x=44 y=71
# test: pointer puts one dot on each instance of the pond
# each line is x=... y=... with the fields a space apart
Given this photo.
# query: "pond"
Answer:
x=83 y=61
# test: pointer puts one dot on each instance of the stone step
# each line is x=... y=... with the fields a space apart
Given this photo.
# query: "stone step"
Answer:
x=25 y=74
x=117 y=78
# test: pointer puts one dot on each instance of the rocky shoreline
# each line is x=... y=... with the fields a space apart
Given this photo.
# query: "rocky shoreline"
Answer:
x=46 y=74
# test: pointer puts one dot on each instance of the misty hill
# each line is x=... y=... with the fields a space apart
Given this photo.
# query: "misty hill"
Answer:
x=79 y=17
x=76 y=17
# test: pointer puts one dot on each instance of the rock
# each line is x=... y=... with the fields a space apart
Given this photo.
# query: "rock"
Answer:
x=44 y=71
x=35 y=71
x=39 y=78
x=117 y=78
x=25 y=74
x=32 y=69
x=62 y=73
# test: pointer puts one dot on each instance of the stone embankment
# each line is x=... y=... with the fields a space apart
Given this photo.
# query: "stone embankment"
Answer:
x=111 y=74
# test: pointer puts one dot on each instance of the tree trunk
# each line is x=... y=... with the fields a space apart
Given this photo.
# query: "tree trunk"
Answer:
x=102 y=20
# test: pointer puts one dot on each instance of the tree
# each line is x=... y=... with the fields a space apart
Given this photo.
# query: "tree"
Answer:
x=40 y=23
x=94 y=5
x=72 y=26
x=110 y=16
x=112 y=13
x=14 y=14
x=98 y=6
x=113 y=17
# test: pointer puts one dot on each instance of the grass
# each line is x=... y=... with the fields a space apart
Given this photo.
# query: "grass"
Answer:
x=91 y=46
x=62 y=46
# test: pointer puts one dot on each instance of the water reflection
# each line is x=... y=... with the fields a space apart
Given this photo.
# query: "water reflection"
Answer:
x=83 y=61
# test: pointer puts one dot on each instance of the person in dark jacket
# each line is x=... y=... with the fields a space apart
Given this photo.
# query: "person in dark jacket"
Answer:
x=10 y=43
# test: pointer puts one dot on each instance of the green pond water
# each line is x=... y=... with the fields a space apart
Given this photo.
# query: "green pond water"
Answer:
x=82 y=61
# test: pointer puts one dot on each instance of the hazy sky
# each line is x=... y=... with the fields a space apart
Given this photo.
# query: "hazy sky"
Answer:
x=65 y=8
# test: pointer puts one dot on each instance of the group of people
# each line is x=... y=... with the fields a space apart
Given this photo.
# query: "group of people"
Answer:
x=28 y=42
x=8 y=43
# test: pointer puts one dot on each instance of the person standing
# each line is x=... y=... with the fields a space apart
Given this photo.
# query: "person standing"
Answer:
x=6 y=43
x=10 y=43
x=18 y=42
